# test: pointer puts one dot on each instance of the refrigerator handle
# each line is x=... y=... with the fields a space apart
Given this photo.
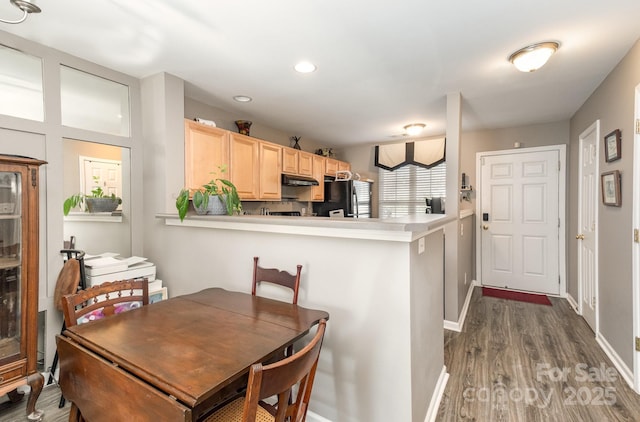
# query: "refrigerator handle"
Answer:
x=355 y=202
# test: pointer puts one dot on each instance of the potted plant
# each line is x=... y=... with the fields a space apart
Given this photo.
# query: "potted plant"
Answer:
x=97 y=201
x=219 y=196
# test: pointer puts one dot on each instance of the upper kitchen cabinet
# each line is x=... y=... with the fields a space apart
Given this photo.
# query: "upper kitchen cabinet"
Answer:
x=315 y=193
x=245 y=166
x=344 y=166
x=206 y=148
x=295 y=161
x=270 y=171
x=331 y=166
x=256 y=167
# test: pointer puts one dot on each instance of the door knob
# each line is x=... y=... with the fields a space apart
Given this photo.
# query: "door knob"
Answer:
x=580 y=236
x=485 y=227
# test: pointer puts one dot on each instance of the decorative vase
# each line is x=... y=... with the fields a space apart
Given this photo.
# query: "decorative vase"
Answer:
x=216 y=206
x=243 y=126
x=102 y=204
x=295 y=140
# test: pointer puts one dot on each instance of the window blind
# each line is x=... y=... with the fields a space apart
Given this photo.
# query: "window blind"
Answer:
x=404 y=191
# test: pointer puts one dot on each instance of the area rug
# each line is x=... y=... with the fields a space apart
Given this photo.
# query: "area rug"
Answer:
x=511 y=295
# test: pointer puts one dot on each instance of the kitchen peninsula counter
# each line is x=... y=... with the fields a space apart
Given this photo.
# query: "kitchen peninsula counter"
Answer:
x=401 y=229
x=381 y=280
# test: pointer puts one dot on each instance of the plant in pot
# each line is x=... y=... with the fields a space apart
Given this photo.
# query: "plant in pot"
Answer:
x=97 y=201
x=218 y=197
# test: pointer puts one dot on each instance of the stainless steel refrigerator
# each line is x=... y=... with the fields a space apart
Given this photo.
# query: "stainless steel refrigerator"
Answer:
x=353 y=197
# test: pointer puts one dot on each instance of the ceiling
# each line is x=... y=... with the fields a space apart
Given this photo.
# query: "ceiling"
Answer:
x=380 y=64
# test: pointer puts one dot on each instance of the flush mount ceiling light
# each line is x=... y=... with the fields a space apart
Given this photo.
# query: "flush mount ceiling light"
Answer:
x=414 y=128
x=24 y=5
x=305 y=67
x=242 y=98
x=533 y=57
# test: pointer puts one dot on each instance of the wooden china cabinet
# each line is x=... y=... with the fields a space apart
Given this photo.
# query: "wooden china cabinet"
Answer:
x=19 y=180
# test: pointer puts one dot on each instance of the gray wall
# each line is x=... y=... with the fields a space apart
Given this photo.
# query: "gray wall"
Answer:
x=613 y=104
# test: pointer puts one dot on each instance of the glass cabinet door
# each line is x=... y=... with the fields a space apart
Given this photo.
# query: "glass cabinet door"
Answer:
x=10 y=265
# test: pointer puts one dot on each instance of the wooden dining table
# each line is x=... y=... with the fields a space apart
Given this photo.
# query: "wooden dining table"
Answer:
x=174 y=360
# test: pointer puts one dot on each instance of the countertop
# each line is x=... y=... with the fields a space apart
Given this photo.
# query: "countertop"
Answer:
x=402 y=229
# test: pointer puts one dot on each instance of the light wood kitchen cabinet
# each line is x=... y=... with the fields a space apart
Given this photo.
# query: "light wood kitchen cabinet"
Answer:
x=270 y=171
x=19 y=280
x=317 y=192
x=290 y=160
x=305 y=163
x=245 y=166
x=295 y=161
x=256 y=168
x=331 y=167
x=344 y=166
x=206 y=148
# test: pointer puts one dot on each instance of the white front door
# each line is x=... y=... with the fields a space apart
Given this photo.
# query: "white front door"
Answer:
x=101 y=172
x=520 y=221
x=587 y=236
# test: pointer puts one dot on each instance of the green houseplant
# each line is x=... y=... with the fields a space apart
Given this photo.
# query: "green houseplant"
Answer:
x=97 y=201
x=217 y=189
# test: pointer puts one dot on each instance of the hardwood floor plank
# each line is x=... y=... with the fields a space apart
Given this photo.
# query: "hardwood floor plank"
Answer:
x=517 y=361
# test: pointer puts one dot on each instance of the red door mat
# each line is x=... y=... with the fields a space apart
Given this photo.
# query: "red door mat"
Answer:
x=511 y=295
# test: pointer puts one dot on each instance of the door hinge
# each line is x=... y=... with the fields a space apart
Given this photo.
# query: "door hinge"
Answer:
x=558 y=278
x=559 y=165
x=637 y=126
x=33 y=177
x=637 y=344
x=558 y=222
x=636 y=235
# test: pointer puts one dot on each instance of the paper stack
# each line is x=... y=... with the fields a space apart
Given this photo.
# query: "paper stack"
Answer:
x=110 y=267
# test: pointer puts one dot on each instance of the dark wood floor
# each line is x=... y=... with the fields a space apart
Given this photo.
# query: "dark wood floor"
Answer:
x=521 y=362
x=513 y=361
x=48 y=402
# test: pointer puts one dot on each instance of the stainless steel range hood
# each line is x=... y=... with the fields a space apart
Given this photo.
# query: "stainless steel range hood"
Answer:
x=296 y=180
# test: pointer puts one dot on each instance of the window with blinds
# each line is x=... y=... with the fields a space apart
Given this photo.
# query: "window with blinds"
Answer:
x=404 y=191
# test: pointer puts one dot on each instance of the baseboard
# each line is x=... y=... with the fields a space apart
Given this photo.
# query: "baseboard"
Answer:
x=622 y=368
x=457 y=326
x=436 y=397
x=314 y=417
x=572 y=303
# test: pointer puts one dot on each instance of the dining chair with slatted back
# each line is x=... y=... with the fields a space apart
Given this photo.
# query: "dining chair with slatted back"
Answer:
x=103 y=300
x=277 y=379
x=276 y=276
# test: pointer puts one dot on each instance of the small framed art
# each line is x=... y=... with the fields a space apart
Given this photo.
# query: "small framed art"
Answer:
x=158 y=295
x=612 y=150
x=611 y=193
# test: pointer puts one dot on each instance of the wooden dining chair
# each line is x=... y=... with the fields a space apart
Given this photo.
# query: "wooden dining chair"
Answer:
x=275 y=276
x=277 y=379
x=104 y=300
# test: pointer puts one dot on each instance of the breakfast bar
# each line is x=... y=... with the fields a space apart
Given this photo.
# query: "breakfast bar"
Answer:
x=380 y=280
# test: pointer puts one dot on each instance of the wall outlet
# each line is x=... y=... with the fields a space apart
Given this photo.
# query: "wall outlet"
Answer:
x=421 y=245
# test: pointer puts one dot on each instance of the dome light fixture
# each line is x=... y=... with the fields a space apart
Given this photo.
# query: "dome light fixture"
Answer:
x=533 y=57
x=414 y=128
x=243 y=98
x=305 y=67
x=24 y=5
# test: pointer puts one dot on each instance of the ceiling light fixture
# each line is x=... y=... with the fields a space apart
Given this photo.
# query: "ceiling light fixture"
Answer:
x=533 y=57
x=24 y=5
x=414 y=128
x=243 y=98
x=305 y=67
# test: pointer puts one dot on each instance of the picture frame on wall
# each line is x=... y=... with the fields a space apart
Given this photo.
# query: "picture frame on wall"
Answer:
x=612 y=147
x=611 y=192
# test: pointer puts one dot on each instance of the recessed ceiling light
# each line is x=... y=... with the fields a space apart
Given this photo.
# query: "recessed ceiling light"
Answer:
x=305 y=67
x=533 y=57
x=414 y=128
x=242 y=98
